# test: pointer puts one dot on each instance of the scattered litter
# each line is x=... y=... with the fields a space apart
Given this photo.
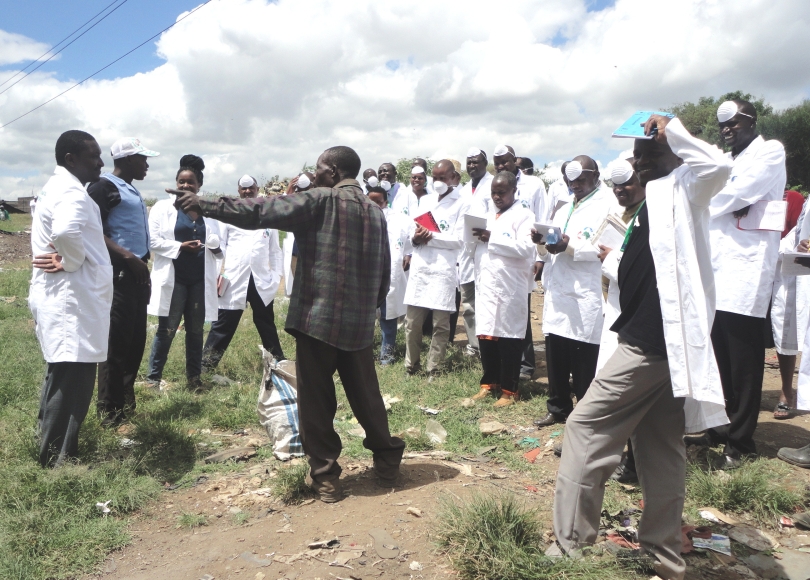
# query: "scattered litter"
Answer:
x=253 y=559
x=412 y=432
x=689 y=533
x=616 y=538
x=786 y=522
x=531 y=456
x=343 y=558
x=556 y=434
x=716 y=516
x=429 y=411
x=324 y=544
x=530 y=442
x=414 y=512
x=222 y=381
x=492 y=428
x=357 y=432
x=103 y=507
x=717 y=543
x=237 y=454
x=388 y=400
x=531 y=488
x=427 y=455
x=467 y=403
x=753 y=538
x=385 y=546
x=435 y=432
x=126 y=443
x=307 y=501
x=415 y=566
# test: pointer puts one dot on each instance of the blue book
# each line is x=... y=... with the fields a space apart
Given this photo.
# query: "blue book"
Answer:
x=633 y=128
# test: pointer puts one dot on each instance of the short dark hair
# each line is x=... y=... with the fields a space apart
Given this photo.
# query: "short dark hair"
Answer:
x=345 y=159
x=73 y=141
x=378 y=189
x=525 y=163
x=507 y=176
x=191 y=163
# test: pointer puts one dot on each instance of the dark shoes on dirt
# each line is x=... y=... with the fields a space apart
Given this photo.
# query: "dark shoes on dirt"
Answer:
x=799 y=457
x=328 y=490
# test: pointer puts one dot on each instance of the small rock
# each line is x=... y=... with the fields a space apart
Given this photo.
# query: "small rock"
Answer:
x=237 y=454
x=414 y=512
x=415 y=566
x=467 y=403
x=492 y=428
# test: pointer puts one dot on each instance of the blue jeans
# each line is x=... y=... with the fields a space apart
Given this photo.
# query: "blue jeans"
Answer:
x=388 y=328
x=188 y=303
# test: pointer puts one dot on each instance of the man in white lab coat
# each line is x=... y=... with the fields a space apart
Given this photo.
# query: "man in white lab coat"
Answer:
x=572 y=309
x=70 y=295
x=659 y=368
x=506 y=269
x=531 y=194
x=744 y=262
x=476 y=197
x=558 y=195
x=252 y=273
x=433 y=280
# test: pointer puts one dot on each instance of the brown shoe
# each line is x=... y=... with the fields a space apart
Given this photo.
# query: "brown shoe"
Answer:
x=328 y=490
x=506 y=399
x=485 y=391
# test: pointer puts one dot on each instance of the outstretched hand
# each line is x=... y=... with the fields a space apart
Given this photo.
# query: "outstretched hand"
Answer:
x=186 y=200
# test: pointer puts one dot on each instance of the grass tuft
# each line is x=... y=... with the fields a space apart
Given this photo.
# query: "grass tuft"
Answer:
x=497 y=536
x=760 y=488
x=290 y=484
x=191 y=521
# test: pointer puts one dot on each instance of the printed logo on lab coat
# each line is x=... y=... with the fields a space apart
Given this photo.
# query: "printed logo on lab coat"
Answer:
x=266 y=233
x=399 y=244
x=506 y=234
x=444 y=226
x=524 y=203
x=586 y=233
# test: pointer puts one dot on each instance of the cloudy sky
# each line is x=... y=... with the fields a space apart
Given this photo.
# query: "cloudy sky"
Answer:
x=263 y=87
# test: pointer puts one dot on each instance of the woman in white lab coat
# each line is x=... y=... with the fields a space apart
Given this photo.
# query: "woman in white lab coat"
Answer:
x=399 y=244
x=502 y=311
x=184 y=274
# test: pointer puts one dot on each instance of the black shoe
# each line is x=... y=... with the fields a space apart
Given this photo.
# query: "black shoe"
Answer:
x=699 y=440
x=624 y=474
x=549 y=419
x=111 y=419
x=800 y=456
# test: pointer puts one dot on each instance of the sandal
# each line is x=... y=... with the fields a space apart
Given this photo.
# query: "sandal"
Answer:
x=782 y=411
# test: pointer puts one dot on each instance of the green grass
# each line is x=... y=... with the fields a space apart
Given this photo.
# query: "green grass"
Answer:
x=760 y=488
x=498 y=536
x=17 y=222
x=191 y=521
x=290 y=485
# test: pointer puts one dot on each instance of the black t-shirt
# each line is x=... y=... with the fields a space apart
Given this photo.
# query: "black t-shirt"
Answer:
x=640 y=322
x=189 y=268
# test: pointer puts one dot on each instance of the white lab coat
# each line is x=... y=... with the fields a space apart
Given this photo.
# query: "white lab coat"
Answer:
x=803 y=396
x=399 y=244
x=790 y=307
x=745 y=261
x=678 y=209
x=433 y=280
x=249 y=252
x=501 y=308
x=289 y=275
x=572 y=307
x=407 y=203
x=610 y=306
x=165 y=248
x=71 y=308
x=531 y=194
x=557 y=192
x=476 y=203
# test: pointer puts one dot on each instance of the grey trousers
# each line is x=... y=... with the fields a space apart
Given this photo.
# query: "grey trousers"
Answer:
x=630 y=397
x=66 y=394
x=468 y=312
x=414 y=318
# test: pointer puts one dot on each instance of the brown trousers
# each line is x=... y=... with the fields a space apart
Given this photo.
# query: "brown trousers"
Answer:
x=315 y=365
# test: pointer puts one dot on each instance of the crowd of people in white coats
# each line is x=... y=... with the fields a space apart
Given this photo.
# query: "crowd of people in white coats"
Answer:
x=665 y=278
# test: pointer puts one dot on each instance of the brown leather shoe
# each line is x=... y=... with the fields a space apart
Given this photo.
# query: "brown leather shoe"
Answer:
x=549 y=419
x=506 y=399
x=482 y=394
x=328 y=490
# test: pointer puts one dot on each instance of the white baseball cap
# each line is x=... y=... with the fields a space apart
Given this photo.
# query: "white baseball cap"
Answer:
x=130 y=146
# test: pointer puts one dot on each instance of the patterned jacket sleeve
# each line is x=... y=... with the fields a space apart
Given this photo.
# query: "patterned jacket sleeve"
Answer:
x=287 y=213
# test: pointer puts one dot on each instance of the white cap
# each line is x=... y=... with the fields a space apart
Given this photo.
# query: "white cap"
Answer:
x=373 y=181
x=417 y=169
x=501 y=150
x=475 y=152
x=130 y=146
x=727 y=110
x=303 y=181
x=621 y=171
x=247 y=181
x=573 y=170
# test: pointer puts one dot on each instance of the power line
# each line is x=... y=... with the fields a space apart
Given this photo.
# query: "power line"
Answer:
x=64 y=47
x=105 y=67
x=33 y=62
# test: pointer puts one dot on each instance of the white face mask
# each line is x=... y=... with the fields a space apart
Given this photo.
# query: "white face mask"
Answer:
x=440 y=187
x=385 y=185
x=372 y=181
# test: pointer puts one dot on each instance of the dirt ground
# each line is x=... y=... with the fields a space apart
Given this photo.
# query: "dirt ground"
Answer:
x=14 y=247
x=273 y=544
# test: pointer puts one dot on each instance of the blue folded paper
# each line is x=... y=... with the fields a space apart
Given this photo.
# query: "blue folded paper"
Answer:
x=633 y=128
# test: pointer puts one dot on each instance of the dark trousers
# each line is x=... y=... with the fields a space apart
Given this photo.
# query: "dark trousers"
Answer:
x=116 y=376
x=501 y=362
x=315 y=365
x=527 y=362
x=227 y=322
x=188 y=303
x=739 y=347
x=568 y=357
x=64 y=402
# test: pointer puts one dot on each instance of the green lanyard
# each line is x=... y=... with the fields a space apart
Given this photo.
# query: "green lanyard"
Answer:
x=575 y=205
x=629 y=231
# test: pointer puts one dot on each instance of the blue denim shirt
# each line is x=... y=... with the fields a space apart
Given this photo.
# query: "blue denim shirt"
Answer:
x=127 y=221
